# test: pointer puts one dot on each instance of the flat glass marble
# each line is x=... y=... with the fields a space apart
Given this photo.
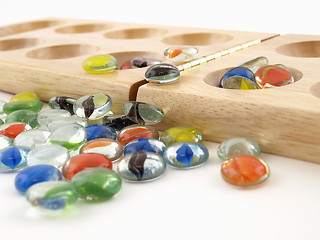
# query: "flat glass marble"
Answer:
x=85 y=160
x=110 y=148
x=59 y=122
x=180 y=55
x=97 y=183
x=141 y=62
x=61 y=102
x=100 y=131
x=93 y=106
x=53 y=154
x=186 y=154
x=133 y=132
x=237 y=146
x=100 y=64
x=143 y=113
x=52 y=195
x=13 y=129
x=36 y=174
x=32 y=105
x=181 y=134
x=162 y=73
x=273 y=76
x=141 y=166
x=49 y=115
x=13 y=158
x=70 y=136
x=32 y=138
x=117 y=122
x=26 y=116
x=244 y=170
x=255 y=63
x=145 y=145
x=228 y=80
x=23 y=96
x=239 y=82
x=5 y=142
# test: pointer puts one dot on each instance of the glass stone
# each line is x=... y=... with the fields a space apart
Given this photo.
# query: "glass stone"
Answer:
x=70 y=136
x=32 y=105
x=49 y=115
x=143 y=113
x=237 y=146
x=97 y=183
x=110 y=148
x=100 y=131
x=145 y=145
x=53 y=154
x=23 y=96
x=2 y=103
x=186 y=154
x=32 y=138
x=13 y=129
x=117 y=122
x=36 y=174
x=5 y=142
x=255 y=63
x=126 y=65
x=141 y=166
x=85 y=160
x=52 y=195
x=244 y=170
x=25 y=116
x=133 y=132
x=181 y=134
x=141 y=62
x=180 y=55
x=239 y=82
x=61 y=102
x=53 y=125
x=237 y=71
x=93 y=106
x=273 y=76
x=162 y=73
x=13 y=158
x=100 y=64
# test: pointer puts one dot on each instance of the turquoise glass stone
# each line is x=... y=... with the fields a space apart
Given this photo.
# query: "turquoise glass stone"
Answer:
x=145 y=145
x=5 y=142
x=93 y=106
x=255 y=63
x=32 y=105
x=143 y=113
x=32 y=138
x=61 y=102
x=26 y=116
x=237 y=146
x=97 y=183
x=36 y=174
x=49 y=115
x=186 y=154
x=13 y=158
x=52 y=195
x=162 y=73
x=141 y=167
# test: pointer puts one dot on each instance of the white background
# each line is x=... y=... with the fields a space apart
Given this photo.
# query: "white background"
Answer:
x=192 y=204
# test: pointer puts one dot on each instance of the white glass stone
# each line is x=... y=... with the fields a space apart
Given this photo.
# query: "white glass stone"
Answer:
x=32 y=138
x=49 y=115
x=66 y=120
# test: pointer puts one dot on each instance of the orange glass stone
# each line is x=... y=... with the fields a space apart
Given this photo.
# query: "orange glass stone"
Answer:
x=83 y=161
x=133 y=132
x=244 y=170
x=13 y=129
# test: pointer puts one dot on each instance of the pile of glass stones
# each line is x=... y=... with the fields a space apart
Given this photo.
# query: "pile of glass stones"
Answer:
x=68 y=151
x=256 y=74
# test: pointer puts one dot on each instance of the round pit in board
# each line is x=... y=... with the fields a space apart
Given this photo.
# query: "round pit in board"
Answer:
x=18 y=43
x=136 y=33
x=307 y=49
x=83 y=28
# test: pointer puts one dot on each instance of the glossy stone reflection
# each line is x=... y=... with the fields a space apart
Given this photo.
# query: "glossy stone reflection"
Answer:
x=141 y=62
x=273 y=76
x=162 y=73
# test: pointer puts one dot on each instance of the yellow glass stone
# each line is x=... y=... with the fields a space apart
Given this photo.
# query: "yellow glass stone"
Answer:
x=100 y=64
x=246 y=85
x=181 y=134
x=24 y=96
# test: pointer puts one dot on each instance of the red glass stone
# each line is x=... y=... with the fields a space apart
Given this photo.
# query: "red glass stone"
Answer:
x=83 y=161
x=273 y=76
x=244 y=170
x=133 y=132
x=14 y=130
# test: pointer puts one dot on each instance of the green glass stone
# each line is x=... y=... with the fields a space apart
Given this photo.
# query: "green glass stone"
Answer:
x=237 y=146
x=26 y=116
x=32 y=105
x=52 y=195
x=162 y=73
x=97 y=183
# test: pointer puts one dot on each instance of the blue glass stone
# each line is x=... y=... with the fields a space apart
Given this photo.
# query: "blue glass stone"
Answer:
x=36 y=174
x=100 y=131
x=186 y=154
x=13 y=158
x=237 y=71
x=145 y=145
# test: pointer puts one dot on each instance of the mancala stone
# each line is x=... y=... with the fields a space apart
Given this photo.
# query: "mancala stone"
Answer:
x=32 y=138
x=100 y=63
x=145 y=145
x=133 y=132
x=117 y=122
x=26 y=116
x=61 y=102
x=141 y=62
x=32 y=105
x=239 y=82
x=13 y=158
x=97 y=183
x=100 y=131
x=255 y=63
x=162 y=73
x=273 y=76
x=186 y=154
x=182 y=54
x=93 y=106
x=23 y=96
x=49 y=115
x=36 y=174
x=141 y=166
x=59 y=122
x=237 y=71
x=13 y=129
x=181 y=134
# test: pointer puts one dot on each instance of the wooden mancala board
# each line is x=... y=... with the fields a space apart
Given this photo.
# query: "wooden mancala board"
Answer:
x=45 y=57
